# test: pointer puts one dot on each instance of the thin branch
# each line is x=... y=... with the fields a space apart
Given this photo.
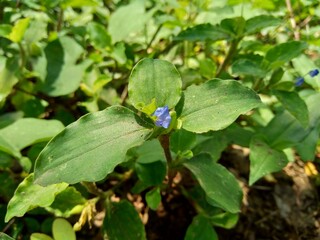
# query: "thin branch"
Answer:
x=154 y=36
x=231 y=52
x=294 y=26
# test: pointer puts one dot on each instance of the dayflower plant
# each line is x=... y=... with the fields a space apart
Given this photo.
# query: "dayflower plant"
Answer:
x=163 y=117
x=300 y=80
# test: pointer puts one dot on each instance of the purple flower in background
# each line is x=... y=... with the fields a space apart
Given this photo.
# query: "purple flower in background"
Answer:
x=163 y=115
x=299 y=81
x=314 y=72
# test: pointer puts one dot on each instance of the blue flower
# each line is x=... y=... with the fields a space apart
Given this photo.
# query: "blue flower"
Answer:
x=299 y=81
x=163 y=115
x=314 y=72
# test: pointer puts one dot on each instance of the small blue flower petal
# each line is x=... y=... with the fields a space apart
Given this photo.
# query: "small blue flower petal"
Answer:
x=314 y=72
x=163 y=115
x=299 y=81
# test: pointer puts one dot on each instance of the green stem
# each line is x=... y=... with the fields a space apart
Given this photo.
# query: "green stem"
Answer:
x=165 y=143
x=92 y=188
x=154 y=37
x=60 y=20
x=23 y=56
x=231 y=52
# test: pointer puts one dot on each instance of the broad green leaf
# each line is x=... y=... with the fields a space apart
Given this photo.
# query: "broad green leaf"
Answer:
x=151 y=174
x=67 y=203
x=91 y=147
x=5 y=30
x=313 y=107
x=235 y=26
x=239 y=135
x=7 y=147
x=154 y=79
x=203 y=32
x=19 y=29
x=201 y=229
x=248 y=67
x=153 y=198
x=27 y=131
x=257 y=23
x=284 y=52
x=78 y=3
x=220 y=186
x=216 y=104
x=9 y=118
x=4 y=236
x=130 y=19
x=295 y=105
x=62 y=230
x=225 y=220
x=122 y=222
x=59 y=69
x=98 y=35
x=307 y=148
x=214 y=144
x=284 y=131
x=8 y=70
x=150 y=151
x=29 y=196
x=264 y=160
x=36 y=31
x=182 y=140
x=40 y=236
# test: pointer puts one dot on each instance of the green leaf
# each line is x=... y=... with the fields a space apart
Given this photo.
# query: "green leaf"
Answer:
x=255 y=24
x=295 y=105
x=36 y=31
x=130 y=19
x=225 y=220
x=248 y=67
x=5 y=30
x=27 y=131
x=307 y=148
x=284 y=52
x=18 y=30
x=182 y=140
x=8 y=70
x=67 y=203
x=154 y=79
x=214 y=144
x=220 y=185
x=29 y=196
x=122 y=222
x=59 y=69
x=7 y=147
x=62 y=229
x=78 y=153
x=78 y=3
x=264 y=160
x=216 y=104
x=284 y=131
x=150 y=151
x=98 y=35
x=4 y=236
x=151 y=174
x=203 y=32
x=235 y=26
x=40 y=236
x=200 y=229
x=153 y=198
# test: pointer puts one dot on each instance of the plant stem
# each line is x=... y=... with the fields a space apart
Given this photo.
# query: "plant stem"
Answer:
x=231 y=52
x=294 y=26
x=23 y=56
x=92 y=188
x=60 y=20
x=154 y=37
x=165 y=143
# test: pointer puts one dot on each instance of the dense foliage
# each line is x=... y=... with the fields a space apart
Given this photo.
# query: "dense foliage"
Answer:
x=111 y=109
